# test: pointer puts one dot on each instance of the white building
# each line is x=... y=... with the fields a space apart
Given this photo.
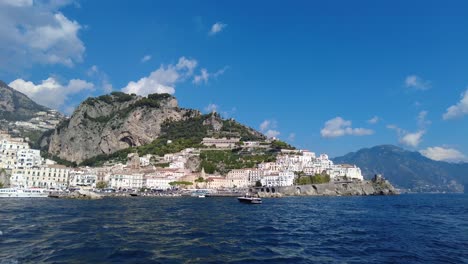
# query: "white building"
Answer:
x=220 y=142
x=83 y=177
x=28 y=158
x=52 y=176
x=155 y=182
x=285 y=178
x=126 y=180
x=238 y=178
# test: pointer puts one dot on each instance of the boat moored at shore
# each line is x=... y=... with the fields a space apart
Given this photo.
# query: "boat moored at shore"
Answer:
x=23 y=193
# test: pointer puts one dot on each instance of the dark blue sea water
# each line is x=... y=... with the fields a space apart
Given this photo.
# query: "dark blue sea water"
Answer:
x=388 y=229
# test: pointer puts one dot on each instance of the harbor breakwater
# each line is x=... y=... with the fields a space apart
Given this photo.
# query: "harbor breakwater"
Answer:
x=376 y=186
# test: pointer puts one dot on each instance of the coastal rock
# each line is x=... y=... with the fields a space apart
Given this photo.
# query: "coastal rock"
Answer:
x=82 y=194
x=376 y=186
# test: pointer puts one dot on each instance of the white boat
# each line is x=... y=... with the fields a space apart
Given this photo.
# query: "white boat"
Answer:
x=23 y=193
x=250 y=199
x=201 y=196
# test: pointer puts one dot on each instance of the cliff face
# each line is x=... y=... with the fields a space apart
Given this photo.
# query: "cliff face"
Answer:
x=113 y=122
x=376 y=186
x=15 y=106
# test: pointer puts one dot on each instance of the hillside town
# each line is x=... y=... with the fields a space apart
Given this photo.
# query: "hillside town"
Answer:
x=28 y=169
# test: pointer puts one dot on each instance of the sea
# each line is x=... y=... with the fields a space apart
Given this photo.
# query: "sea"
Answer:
x=409 y=228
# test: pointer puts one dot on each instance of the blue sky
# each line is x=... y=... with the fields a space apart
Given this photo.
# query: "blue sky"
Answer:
x=328 y=76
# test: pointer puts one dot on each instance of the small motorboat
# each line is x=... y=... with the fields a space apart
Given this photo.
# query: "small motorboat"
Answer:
x=201 y=196
x=250 y=200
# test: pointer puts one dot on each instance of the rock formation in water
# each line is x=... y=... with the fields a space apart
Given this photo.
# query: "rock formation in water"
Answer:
x=376 y=186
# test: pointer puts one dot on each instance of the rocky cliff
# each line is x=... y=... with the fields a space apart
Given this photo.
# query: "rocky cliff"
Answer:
x=113 y=122
x=118 y=121
x=15 y=106
x=376 y=186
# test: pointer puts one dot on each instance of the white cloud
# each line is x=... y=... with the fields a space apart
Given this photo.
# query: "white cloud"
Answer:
x=50 y=92
x=164 y=79
x=217 y=28
x=268 y=128
x=292 y=137
x=186 y=65
x=204 y=75
x=416 y=82
x=146 y=58
x=373 y=120
x=408 y=138
x=458 y=110
x=267 y=124
x=17 y=3
x=272 y=133
x=412 y=139
x=338 y=127
x=211 y=108
x=37 y=32
x=444 y=154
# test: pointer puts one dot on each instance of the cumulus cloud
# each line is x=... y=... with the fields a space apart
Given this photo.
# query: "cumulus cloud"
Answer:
x=204 y=75
x=164 y=79
x=50 y=92
x=416 y=82
x=338 y=127
x=217 y=28
x=373 y=120
x=268 y=127
x=411 y=139
x=458 y=110
x=444 y=154
x=37 y=32
x=146 y=58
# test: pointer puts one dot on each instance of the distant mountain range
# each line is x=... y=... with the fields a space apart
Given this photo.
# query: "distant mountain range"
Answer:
x=409 y=170
x=15 y=106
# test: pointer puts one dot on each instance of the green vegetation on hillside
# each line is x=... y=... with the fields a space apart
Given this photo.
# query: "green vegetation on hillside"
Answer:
x=99 y=160
x=60 y=161
x=191 y=128
x=158 y=147
x=316 y=179
x=278 y=144
x=223 y=161
x=245 y=133
x=161 y=146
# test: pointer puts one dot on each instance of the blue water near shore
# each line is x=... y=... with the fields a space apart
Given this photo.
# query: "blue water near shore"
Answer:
x=389 y=229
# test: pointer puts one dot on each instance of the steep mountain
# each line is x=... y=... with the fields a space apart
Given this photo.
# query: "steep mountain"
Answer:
x=15 y=106
x=407 y=169
x=109 y=123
